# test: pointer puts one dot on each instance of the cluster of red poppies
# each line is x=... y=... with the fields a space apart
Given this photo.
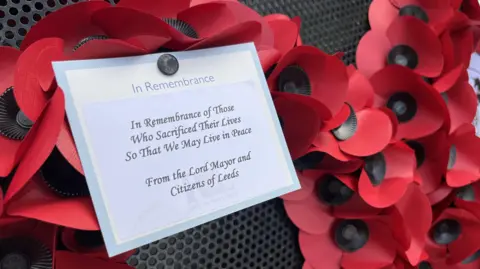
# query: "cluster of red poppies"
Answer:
x=385 y=153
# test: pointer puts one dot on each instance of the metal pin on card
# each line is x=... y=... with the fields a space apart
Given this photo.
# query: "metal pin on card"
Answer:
x=168 y=64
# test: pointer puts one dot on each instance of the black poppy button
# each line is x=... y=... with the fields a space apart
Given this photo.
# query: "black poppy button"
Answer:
x=403 y=55
x=89 y=239
x=88 y=39
x=472 y=257
x=15 y=261
x=446 y=231
x=376 y=168
x=13 y=122
x=182 y=27
x=348 y=128
x=168 y=64
x=466 y=193
x=419 y=151
x=351 y=235
x=403 y=105
x=452 y=157
x=293 y=79
x=332 y=191
x=424 y=265
x=309 y=161
x=24 y=253
x=415 y=11
x=56 y=169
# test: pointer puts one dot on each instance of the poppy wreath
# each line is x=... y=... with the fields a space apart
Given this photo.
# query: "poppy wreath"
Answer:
x=385 y=152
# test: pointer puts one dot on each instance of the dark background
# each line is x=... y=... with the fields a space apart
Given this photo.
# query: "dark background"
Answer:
x=259 y=237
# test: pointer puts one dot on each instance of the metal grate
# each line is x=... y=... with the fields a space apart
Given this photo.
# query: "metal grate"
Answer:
x=260 y=237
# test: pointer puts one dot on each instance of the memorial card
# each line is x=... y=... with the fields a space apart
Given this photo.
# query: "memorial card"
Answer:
x=172 y=140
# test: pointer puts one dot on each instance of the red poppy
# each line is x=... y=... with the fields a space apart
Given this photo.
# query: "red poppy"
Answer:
x=463 y=35
x=70 y=260
x=387 y=175
x=26 y=243
x=470 y=8
x=307 y=70
x=349 y=244
x=435 y=13
x=89 y=243
x=431 y=154
x=454 y=231
x=468 y=198
x=440 y=194
x=407 y=42
x=419 y=108
x=464 y=161
x=13 y=124
x=325 y=196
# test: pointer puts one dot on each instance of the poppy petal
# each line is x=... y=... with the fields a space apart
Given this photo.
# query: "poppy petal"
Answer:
x=28 y=93
x=71 y=24
x=381 y=14
x=462 y=104
x=439 y=194
x=307 y=184
x=379 y=250
x=66 y=146
x=330 y=164
x=158 y=8
x=136 y=24
x=360 y=91
x=268 y=58
x=371 y=53
x=462 y=46
x=447 y=52
x=70 y=260
x=445 y=82
x=355 y=208
x=240 y=33
x=106 y=48
x=298 y=21
x=324 y=72
x=412 y=32
x=199 y=2
x=466 y=164
x=385 y=194
x=326 y=142
x=35 y=201
x=285 y=33
x=320 y=251
x=9 y=58
x=43 y=65
x=424 y=108
x=40 y=142
x=414 y=208
x=338 y=119
x=69 y=239
x=374 y=132
x=299 y=134
x=307 y=266
x=310 y=215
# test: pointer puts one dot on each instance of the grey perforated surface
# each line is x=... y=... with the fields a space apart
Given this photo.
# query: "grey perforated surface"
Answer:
x=260 y=237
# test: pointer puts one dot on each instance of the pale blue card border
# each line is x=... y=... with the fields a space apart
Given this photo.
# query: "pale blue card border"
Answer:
x=113 y=248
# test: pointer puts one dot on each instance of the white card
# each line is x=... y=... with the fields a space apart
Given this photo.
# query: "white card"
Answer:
x=162 y=154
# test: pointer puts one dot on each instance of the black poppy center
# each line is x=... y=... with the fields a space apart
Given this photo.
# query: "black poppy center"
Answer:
x=424 y=265
x=293 y=79
x=446 y=231
x=415 y=11
x=332 y=191
x=403 y=55
x=62 y=178
x=403 y=105
x=452 y=157
x=351 y=235
x=15 y=260
x=419 y=151
x=376 y=168
x=168 y=64
x=348 y=127
x=309 y=161
x=466 y=193
x=90 y=239
x=472 y=257
x=88 y=39
x=14 y=124
x=182 y=27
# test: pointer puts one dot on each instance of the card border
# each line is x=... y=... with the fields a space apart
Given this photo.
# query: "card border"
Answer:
x=113 y=248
